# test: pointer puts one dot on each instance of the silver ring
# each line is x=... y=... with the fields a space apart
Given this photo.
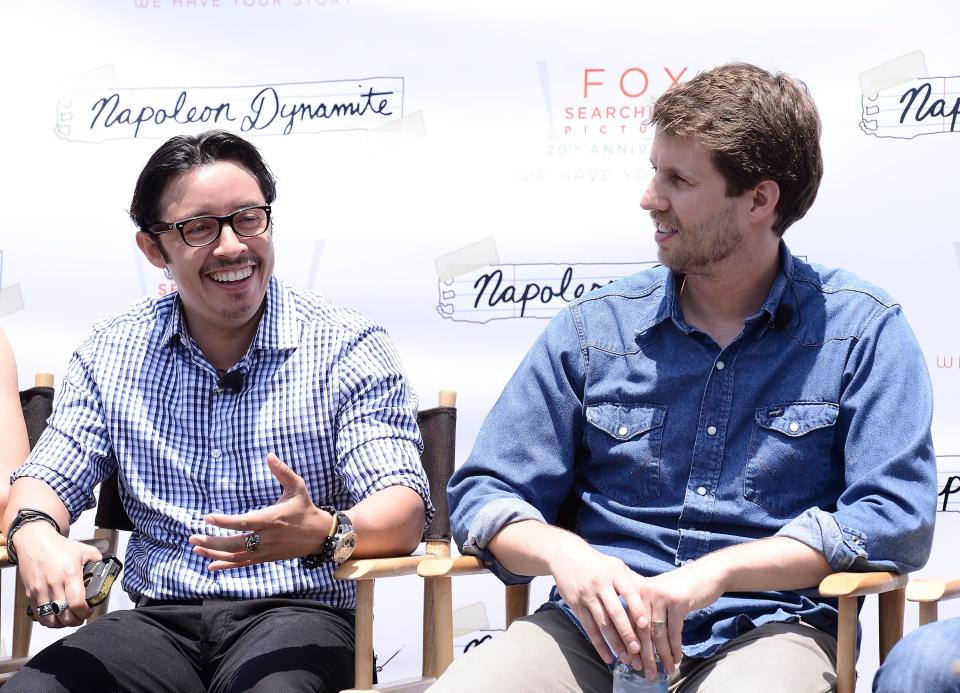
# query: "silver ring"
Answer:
x=657 y=625
x=252 y=542
x=51 y=608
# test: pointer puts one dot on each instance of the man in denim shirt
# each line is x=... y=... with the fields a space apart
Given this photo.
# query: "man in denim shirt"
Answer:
x=730 y=427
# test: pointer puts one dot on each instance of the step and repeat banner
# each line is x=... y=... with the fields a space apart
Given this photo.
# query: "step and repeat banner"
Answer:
x=460 y=171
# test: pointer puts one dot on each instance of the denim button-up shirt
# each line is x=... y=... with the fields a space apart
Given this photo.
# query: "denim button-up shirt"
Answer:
x=814 y=423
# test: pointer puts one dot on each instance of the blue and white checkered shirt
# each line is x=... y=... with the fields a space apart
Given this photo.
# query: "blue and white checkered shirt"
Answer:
x=322 y=388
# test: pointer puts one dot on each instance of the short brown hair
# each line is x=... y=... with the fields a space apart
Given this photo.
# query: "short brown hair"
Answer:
x=759 y=126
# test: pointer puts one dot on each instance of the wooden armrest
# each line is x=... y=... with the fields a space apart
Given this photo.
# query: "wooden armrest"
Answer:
x=373 y=568
x=447 y=567
x=932 y=590
x=859 y=584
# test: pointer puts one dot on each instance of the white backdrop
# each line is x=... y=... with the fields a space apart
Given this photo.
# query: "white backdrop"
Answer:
x=423 y=146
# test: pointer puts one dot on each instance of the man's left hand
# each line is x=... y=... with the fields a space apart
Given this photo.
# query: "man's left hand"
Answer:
x=669 y=597
x=290 y=528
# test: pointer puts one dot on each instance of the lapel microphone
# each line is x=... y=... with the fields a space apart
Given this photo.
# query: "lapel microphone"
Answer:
x=230 y=382
x=781 y=318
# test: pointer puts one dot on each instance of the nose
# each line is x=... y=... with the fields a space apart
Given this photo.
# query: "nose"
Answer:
x=651 y=201
x=229 y=243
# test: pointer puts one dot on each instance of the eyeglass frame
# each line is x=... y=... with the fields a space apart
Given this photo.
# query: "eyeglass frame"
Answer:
x=165 y=227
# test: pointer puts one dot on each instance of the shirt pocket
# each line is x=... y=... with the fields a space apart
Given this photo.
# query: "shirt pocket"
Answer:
x=790 y=466
x=624 y=442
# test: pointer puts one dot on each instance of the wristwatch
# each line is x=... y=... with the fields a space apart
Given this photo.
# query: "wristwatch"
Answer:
x=339 y=545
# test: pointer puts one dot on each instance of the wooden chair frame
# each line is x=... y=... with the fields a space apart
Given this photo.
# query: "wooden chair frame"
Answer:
x=928 y=593
x=437 y=609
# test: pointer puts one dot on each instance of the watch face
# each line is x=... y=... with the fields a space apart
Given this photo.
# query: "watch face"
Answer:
x=347 y=542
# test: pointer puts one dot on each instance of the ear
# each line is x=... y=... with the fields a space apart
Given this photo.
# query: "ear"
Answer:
x=148 y=246
x=763 y=201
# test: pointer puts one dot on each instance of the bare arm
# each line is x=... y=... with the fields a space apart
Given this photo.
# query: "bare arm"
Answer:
x=13 y=432
x=388 y=522
x=50 y=564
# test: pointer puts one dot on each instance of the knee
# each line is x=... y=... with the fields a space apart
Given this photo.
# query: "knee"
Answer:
x=923 y=661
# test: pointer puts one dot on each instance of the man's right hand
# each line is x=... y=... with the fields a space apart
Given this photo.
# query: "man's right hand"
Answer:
x=596 y=586
x=51 y=569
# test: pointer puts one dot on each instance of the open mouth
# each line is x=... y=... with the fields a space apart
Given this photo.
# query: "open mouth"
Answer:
x=231 y=275
x=664 y=231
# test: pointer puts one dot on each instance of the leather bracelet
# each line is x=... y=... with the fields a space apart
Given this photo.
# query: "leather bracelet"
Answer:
x=24 y=517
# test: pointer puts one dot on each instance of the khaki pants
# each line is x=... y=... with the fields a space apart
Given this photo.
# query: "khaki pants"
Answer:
x=545 y=653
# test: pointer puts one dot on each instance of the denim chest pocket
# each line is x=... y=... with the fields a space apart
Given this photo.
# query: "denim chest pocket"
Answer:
x=624 y=442
x=790 y=468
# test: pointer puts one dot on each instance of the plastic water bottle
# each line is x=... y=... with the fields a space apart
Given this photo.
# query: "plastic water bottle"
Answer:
x=626 y=679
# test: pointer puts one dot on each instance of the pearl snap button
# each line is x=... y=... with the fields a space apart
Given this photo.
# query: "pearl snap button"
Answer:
x=721 y=365
x=622 y=431
x=711 y=430
x=701 y=491
x=794 y=427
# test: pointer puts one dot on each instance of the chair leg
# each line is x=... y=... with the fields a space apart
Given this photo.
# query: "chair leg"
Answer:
x=22 y=626
x=928 y=613
x=437 y=626
x=847 y=645
x=363 y=658
x=518 y=602
x=891 y=620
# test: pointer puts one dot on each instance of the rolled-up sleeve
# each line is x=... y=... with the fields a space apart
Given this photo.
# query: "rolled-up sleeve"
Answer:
x=378 y=442
x=75 y=452
x=884 y=518
x=522 y=464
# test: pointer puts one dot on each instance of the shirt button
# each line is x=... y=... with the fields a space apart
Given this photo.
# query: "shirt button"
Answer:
x=711 y=430
x=701 y=491
x=721 y=365
x=794 y=427
x=215 y=454
x=622 y=431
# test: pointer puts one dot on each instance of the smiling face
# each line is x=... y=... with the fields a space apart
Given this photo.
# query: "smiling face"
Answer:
x=697 y=226
x=222 y=285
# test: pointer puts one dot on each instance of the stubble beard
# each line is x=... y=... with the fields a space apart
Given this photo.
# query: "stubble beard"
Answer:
x=703 y=246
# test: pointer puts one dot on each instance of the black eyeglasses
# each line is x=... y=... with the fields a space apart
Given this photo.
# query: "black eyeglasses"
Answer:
x=200 y=231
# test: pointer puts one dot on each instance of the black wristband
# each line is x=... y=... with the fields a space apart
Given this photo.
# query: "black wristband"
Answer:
x=24 y=517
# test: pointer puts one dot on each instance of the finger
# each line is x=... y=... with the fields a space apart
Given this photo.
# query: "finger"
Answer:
x=629 y=590
x=233 y=543
x=221 y=555
x=675 y=633
x=647 y=661
x=246 y=522
x=619 y=623
x=75 y=594
x=229 y=565
x=659 y=630
x=593 y=633
x=288 y=478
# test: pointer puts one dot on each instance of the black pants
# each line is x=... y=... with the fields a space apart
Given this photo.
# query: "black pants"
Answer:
x=219 y=646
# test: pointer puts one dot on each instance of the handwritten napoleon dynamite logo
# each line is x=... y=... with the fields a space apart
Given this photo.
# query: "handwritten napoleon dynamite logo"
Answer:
x=948 y=481
x=923 y=106
x=532 y=290
x=272 y=109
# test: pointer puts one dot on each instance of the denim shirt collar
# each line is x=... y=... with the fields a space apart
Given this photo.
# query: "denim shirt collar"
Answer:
x=781 y=308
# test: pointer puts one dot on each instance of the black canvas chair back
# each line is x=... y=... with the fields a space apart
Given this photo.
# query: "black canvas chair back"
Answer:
x=37 y=405
x=438 y=427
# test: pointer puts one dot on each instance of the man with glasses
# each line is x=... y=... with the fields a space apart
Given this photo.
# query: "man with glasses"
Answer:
x=260 y=433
